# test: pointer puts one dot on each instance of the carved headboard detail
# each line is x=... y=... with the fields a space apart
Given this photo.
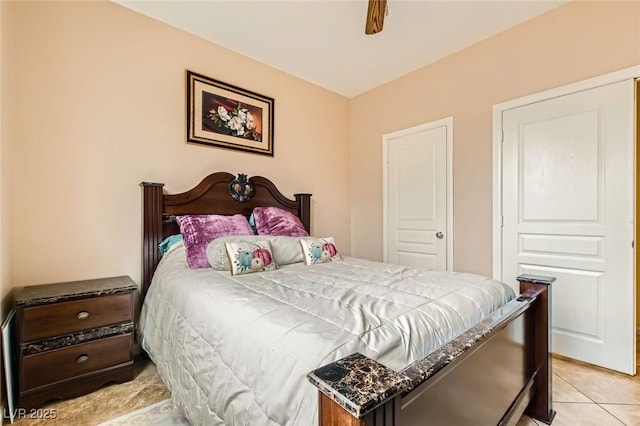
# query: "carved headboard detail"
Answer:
x=219 y=193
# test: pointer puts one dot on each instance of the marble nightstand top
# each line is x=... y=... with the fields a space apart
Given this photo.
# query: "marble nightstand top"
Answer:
x=357 y=383
x=61 y=292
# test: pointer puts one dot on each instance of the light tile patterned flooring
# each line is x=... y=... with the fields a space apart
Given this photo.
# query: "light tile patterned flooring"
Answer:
x=583 y=395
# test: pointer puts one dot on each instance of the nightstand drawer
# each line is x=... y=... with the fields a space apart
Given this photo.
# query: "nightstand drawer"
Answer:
x=56 y=319
x=60 y=364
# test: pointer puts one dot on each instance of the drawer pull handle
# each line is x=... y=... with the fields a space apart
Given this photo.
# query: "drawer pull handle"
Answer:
x=83 y=315
x=82 y=358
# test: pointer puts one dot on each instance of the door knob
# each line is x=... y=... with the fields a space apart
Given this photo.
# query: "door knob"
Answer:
x=439 y=235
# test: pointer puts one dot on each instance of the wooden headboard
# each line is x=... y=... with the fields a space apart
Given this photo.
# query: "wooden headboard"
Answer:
x=219 y=193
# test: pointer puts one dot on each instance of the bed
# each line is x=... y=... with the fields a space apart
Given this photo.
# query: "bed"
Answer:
x=383 y=344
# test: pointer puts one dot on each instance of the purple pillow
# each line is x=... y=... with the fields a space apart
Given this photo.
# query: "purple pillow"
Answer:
x=199 y=230
x=275 y=221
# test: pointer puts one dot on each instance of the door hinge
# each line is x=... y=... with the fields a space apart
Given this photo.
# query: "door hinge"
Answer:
x=501 y=221
x=501 y=136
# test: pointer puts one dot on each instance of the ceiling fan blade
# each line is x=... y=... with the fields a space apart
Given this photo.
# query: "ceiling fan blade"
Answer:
x=375 y=16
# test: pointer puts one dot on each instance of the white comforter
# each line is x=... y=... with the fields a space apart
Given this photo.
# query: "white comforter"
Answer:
x=235 y=350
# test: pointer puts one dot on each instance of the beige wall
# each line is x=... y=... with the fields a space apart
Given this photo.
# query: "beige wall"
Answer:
x=5 y=212
x=574 y=42
x=5 y=237
x=101 y=108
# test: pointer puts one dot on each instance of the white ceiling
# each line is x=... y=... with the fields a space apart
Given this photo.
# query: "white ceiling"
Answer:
x=323 y=41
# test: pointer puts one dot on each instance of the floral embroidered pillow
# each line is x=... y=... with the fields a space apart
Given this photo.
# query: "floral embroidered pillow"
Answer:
x=286 y=250
x=248 y=257
x=319 y=250
x=275 y=221
x=199 y=230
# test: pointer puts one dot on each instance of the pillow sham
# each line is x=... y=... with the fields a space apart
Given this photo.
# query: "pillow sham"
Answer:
x=319 y=250
x=199 y=230
x=276 y=221
x=249 y=257
x=286 y=250
x=166 y=244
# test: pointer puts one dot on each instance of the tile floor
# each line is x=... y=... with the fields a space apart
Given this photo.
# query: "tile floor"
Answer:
x=583 y=395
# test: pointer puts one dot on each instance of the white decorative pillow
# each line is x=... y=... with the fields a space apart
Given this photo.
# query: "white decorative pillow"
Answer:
x=319 y=250
x=248 y=257
x=286 y=250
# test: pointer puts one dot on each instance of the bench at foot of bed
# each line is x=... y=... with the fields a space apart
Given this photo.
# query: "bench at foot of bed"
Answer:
x=491 y=374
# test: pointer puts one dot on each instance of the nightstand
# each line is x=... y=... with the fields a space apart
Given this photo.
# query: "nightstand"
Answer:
x=73 y=338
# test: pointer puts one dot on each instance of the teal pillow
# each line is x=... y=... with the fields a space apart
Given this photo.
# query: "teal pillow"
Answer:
x=252 y=224
x=168 y=242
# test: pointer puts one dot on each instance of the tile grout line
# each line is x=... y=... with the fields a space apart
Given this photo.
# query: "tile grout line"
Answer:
x=602 y=406
x=611 y=414
x=586 y=396
x=576 y=389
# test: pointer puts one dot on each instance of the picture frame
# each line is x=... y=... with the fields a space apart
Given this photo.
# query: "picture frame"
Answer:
x=227 y=116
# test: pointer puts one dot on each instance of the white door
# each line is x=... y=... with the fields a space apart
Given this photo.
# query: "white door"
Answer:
x=568 y=212
x=417 y=196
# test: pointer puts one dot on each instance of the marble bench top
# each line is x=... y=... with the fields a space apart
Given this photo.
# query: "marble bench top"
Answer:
x=357 y=383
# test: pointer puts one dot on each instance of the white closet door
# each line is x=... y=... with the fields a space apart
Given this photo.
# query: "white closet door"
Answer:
x=416 y=190
x=568 y=212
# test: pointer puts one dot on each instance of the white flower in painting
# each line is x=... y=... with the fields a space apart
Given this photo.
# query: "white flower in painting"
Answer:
x=237 y=121
x=250 y=125
x=236 y=125
x=223 y=113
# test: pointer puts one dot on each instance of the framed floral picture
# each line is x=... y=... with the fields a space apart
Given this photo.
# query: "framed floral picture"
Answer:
x=227 y=116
